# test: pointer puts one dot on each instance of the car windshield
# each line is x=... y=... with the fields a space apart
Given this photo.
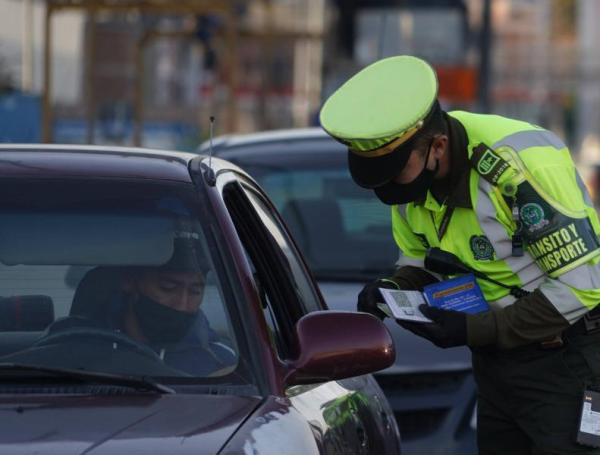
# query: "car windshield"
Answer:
x=343 y=230
x=112 y=277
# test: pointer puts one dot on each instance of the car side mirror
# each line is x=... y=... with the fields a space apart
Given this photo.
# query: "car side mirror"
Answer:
x=337 y=344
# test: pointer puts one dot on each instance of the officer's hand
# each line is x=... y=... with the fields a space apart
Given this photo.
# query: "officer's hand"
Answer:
x=370 y=296
x=449 y=328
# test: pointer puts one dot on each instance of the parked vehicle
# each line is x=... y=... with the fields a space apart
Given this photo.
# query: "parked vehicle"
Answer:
x=346 y=236
x=261 y=368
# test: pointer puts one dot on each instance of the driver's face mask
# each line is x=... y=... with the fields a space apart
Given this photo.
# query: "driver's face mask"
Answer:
x=160 y=323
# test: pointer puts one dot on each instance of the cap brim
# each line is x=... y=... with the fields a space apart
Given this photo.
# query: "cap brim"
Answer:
x=373 y=172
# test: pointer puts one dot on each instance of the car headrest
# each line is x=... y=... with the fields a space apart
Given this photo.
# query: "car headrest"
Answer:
x=301 y=214
x=26 y=313
x=318 y=227
x=95 y=290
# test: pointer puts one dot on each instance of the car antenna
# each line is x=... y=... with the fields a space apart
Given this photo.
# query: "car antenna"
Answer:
x=209 y=175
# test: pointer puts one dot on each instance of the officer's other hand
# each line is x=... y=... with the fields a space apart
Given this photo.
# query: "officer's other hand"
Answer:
x=448 y=329
x=370 y=296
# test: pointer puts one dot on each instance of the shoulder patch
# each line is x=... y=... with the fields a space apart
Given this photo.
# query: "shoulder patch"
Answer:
x=488 y=163
x=557 y=242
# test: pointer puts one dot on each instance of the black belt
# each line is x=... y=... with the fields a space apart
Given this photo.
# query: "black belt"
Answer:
x=590 y=323
x=580 y=328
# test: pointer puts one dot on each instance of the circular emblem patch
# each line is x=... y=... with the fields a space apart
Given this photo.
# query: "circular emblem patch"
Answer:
x=482 y=248
x=533 y=216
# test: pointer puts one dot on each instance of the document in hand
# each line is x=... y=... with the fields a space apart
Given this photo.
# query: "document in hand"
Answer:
x=458 y=294
x=403 y=305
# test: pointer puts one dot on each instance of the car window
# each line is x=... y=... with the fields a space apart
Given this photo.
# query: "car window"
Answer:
x=297 y=274
x=286 y=291
x=112 y=277
x=352 y=238
x=276 y=325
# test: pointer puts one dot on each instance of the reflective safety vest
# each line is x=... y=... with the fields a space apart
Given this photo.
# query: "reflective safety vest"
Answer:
x=523 y=185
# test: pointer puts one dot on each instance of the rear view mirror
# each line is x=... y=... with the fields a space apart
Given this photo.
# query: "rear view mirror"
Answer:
x=40 y=239
x=336 y=345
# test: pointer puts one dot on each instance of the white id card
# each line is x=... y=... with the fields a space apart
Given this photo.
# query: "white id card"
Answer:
x=589 y=422
x=403 y=305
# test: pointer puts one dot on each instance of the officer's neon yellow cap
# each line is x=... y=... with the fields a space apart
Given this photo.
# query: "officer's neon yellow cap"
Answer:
x=377 y=112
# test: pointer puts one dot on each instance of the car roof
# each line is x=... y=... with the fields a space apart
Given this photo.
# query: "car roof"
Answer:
x=235 y=140
x=56 y=160
x=298 y=140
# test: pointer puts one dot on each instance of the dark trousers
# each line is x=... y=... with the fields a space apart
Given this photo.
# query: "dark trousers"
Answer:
x=529 y=399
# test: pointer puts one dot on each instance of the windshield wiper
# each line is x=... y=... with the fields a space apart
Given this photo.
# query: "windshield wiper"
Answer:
x=11 y=370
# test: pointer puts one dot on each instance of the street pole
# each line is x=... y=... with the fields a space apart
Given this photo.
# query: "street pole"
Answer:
x=47 y=94
x=90 y=98
x=485 y=49
x=27 y=49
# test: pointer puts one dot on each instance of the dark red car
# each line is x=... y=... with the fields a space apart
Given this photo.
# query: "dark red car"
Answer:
x=100 y=246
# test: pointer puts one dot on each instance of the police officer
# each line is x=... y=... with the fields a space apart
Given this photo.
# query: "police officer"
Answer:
x=504 y=196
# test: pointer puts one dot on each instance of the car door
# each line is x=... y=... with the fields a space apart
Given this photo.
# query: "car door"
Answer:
x=346 y=416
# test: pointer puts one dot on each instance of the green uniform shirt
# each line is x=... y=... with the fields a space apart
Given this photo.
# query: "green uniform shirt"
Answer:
x=561 y=265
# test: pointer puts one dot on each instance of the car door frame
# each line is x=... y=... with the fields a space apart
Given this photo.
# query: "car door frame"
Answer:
x=211 y=183
x=277 y=367
x=346 y=391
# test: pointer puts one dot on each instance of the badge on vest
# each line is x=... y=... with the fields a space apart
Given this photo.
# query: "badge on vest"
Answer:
x=482 y=248
x=533 y=216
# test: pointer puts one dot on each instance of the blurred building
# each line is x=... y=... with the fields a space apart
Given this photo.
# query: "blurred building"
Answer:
x=536 y=63
x=174 y=70
x=187 y=66
x=22 y=46
x=438 y=30
x=170 y=65
x=547 y=71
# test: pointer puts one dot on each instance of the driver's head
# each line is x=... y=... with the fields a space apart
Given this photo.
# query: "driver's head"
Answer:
x=164 y=300
x=180 y=291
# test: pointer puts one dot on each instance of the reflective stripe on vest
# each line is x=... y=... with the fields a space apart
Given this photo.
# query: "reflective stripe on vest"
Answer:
x=490 y=224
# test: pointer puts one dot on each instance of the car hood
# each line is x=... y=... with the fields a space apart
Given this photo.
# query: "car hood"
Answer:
x=413 y=354
x=79 y=424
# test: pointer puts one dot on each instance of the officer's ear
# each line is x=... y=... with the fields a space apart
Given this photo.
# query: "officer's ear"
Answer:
x=439 y=146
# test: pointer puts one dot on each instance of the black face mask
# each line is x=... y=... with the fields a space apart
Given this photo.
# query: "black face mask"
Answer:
x=160 y=322
x=400 y=193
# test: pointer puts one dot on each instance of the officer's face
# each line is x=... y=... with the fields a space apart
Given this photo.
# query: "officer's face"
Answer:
x=416 y=161
x=414 y=166
x=181 y=291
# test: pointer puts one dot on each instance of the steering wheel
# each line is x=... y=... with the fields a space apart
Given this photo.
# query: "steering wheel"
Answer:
x=74 y=328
